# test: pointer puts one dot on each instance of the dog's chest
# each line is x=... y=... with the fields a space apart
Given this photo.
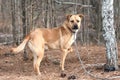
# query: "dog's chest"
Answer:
x=73 y=38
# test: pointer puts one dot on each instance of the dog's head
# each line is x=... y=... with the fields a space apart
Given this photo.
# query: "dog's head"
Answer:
x=74 y=21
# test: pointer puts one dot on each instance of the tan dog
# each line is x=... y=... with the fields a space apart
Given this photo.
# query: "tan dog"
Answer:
x=57 y=38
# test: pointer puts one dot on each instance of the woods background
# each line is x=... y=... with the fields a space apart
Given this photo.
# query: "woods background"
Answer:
x=19 y=17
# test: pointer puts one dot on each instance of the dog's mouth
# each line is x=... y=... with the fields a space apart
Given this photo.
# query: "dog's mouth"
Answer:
x=74 y=30
x=75 y=27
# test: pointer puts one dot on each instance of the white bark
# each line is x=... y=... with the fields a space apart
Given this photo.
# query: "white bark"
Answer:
x=109 y=32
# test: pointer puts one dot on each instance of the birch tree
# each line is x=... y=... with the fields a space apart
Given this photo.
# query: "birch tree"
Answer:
x=109 y=34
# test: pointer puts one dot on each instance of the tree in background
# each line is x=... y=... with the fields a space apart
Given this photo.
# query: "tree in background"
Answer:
x=15 y=28
x=109 y=35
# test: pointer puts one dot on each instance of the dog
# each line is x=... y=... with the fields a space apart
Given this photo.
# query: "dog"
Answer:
x=56 y=38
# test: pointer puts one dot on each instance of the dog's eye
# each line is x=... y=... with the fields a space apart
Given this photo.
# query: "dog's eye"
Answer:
x=78 y=21
x=72 y=21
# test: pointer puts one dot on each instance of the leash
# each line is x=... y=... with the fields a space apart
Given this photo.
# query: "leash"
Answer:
x=78 y=55
x=88 y=72
x=82 y=65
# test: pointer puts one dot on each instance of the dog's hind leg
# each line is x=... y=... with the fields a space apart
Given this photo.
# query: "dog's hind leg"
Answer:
x=38 y=53
x=37 y=61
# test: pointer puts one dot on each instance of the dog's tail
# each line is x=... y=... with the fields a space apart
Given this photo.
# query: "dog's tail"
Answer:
x=21 y=46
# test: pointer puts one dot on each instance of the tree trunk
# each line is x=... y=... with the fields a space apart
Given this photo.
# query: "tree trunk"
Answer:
x=18 y=21
x=109 y=33
x=48 y=14
x=14 y=28
x=2 y=9
x=24 y=26
x=24 y=18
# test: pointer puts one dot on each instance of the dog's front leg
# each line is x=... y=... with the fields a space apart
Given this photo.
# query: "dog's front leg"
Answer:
x=64 y=54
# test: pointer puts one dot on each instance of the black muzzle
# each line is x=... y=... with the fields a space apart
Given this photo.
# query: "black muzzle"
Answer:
x=75 y=27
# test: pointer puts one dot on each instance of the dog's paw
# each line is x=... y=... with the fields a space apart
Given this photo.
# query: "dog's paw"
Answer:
x=62 y=75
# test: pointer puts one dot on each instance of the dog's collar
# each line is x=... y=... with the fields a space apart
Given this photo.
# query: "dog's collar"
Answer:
x=71 y=30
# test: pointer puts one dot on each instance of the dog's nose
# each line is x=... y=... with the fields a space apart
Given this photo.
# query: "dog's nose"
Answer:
x=75 y=26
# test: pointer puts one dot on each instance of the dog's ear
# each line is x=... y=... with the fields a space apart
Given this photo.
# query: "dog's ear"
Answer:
x=68 y=16
x=81 y=15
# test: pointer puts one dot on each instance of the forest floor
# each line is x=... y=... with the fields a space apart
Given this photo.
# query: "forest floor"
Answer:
x=13 y=67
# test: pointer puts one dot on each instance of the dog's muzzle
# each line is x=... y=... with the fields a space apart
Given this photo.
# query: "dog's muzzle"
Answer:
x=75 y=27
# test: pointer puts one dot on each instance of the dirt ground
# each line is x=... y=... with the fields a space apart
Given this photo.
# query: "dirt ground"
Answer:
x=13 y=67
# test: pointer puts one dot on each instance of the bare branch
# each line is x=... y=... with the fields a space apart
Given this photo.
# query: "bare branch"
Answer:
x=72 y=3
